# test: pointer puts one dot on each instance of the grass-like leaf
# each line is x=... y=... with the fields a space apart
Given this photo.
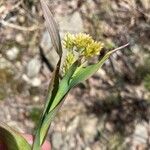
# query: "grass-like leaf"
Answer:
x=55 y=101
x=53 y=88
x=59 y=89
x=52 y=27
x=84 y=73
x=12 y=139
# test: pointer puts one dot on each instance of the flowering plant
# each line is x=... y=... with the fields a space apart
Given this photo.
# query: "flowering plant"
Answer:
x=80 y=48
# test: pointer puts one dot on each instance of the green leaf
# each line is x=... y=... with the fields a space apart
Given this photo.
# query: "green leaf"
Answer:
x=57 y=101
x=12 y=139
x=53 y=88
x=54 y=85
x=47 y=121
x=64 y=85
x=84 y=73
x=43 y=130
x=59 y=90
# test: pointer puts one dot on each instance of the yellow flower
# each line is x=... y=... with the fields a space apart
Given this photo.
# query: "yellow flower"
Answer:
x=92 y=49
x=68 y=41
x=84 y=46
x=81 y=41
x=70 y=59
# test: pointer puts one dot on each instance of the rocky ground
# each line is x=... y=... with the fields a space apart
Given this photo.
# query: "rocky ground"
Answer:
x=110 y=111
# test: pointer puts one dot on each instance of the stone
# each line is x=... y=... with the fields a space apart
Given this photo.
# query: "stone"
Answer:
x=65 y=147
x=88 y=127
x=146 y=4
x=73 y=125
x=140 y=134
x=101 y=72
x=135 y=48
x=71 y=23
x=50 y=52
x=36 y=99
x=46 y=43
x=57 y=140
x=109 y=126
x=87 y=148
x=12 y=53
x=19 y=38
x=36 y=82
x=4 y=63
x=97 y=146
x=72 y=142
x=33 y=67
x=2 y=9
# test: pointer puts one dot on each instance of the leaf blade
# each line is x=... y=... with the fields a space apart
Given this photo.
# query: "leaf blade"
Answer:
x=12 y=139
x=52 y=90
x=52 y=27
x=86 y=72
x=53 y=108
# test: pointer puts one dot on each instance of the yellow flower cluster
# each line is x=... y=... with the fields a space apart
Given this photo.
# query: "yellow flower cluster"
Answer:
x=83 y=44
x=92 y=49
x=68 y=41
x=70 y=59
x=81 y=41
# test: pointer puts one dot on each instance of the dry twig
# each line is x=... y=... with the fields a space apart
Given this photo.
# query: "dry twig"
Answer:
x=22 y=28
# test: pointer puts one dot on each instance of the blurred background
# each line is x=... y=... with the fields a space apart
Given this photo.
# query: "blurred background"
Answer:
x=110 y=111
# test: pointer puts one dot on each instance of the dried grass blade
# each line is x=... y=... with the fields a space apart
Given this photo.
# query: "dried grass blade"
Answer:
x=52 y=27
